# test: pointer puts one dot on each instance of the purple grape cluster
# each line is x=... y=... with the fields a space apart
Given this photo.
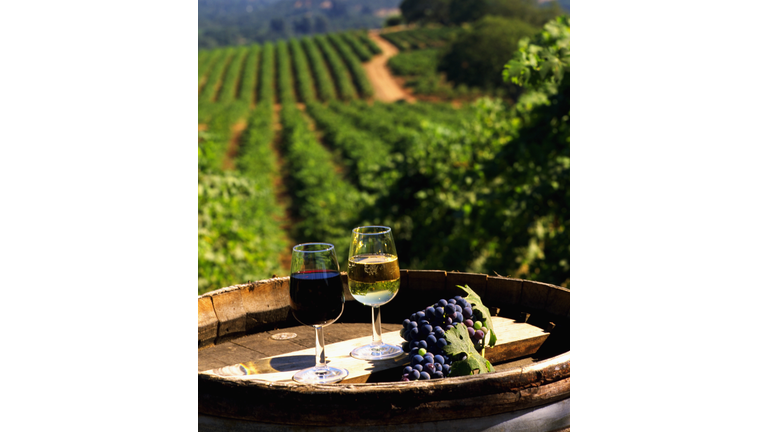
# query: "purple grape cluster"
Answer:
x=424 y=332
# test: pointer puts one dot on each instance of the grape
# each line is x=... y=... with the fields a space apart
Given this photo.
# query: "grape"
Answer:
x=424 y=332
x=431 y=339
x=478 y=325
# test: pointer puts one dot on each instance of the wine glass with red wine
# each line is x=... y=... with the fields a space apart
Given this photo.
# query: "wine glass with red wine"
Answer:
x=374 y=279
x=317 y=300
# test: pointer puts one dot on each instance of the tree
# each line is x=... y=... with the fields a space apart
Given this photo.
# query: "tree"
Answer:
x=277 y=25
x=424 y=11
x=321 y=24
x=476 y=58
x=303 y=25
x=541 y=186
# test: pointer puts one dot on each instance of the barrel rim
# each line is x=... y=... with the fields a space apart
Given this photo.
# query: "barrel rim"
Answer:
x=536 y=384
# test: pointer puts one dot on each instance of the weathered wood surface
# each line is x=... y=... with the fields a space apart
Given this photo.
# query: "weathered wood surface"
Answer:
x=514 y=340
x=532 y=385
x=261 y=345
x=549 y=418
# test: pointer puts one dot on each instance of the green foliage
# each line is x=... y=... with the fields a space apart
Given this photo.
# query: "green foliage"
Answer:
x=304 y=80
x=340 y=73
x=215 y=75
x=365 y=155
x=364 y=87
x=325 y=88
x=489 y=179
x=535 y=166
x=284 y=74
x=460 y=344
x=372 y=46
x=250 y=68
x=454 y=12
x=421 y=62
x=325 y=205
x=480 y=309
x=232 y=76
x=233 y=232
x=479 y=55
x=394 y=20
x=267 y=75
x=423 y=11
x=361 y=50
x=543 y=59
x=238 y=235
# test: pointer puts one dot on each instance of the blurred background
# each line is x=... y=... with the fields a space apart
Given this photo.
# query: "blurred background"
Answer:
x=447 y=120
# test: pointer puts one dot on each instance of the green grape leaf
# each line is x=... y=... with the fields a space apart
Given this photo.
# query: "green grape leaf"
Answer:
x=460 y=343
x=485 y=314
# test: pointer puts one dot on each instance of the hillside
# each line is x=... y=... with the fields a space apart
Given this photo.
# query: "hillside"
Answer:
x=237 y=22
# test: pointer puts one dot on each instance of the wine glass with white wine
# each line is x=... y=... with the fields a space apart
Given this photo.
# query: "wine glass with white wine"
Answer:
x=374 y=279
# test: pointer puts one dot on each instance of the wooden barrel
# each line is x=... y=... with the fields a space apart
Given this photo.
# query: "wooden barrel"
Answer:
x=530 y=394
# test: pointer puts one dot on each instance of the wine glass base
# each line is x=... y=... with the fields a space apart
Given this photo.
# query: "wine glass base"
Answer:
x=315 y=375
x=376 y=352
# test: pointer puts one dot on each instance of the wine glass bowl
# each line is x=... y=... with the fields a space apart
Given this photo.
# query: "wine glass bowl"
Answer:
x=317 y=300
x=373 y=275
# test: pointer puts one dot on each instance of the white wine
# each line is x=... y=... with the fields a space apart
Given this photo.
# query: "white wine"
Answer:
x=374 y=279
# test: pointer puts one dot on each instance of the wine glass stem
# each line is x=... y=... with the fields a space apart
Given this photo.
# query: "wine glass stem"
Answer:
x=319 y=347
x=376 y=325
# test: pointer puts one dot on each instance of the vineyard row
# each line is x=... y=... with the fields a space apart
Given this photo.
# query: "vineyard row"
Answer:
x=324 y=68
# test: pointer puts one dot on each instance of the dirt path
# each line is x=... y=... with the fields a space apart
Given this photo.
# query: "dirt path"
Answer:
x=281 y=190
x=234 y=144
x=384 y=86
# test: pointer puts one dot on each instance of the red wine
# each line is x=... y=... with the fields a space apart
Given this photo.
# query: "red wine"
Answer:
x=317 y=296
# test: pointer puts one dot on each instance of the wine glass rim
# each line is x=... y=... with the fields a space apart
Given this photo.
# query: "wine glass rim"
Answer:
x=385 y=229
x=298 y=247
